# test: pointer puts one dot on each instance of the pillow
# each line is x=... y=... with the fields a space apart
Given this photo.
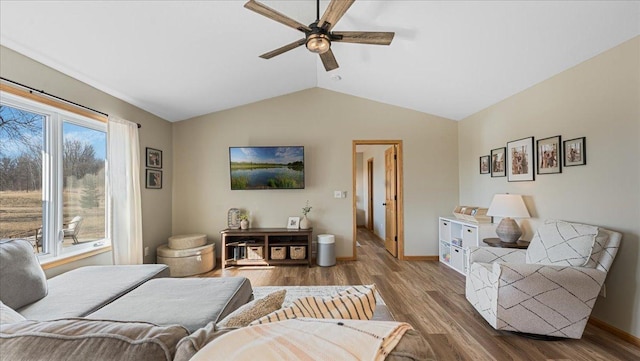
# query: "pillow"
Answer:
x=190 y=345
x=356 y=303
x=22 y=280
x=8 y=315
x=559 y=243
x=253 y=310
x=80 y=339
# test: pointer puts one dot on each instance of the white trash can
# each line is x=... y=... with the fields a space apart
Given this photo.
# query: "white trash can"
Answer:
x=326 y=250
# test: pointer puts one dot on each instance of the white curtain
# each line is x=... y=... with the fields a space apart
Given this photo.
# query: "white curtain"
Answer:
x=124 y=191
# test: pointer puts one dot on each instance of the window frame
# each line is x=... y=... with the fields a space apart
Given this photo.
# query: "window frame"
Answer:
x=56 y=114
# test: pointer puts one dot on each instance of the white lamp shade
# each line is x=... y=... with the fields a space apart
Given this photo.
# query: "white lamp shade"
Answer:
x=508 y=205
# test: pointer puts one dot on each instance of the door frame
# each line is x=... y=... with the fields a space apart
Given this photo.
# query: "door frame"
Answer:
x=399 y=185
x=370 y=194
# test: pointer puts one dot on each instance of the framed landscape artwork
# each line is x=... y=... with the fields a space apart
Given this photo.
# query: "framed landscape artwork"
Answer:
x=484 y=164
x=266 y=167
x=575 y=152
x=154 y=179
x=520 y=160
x=549 y=155
x=154 y=158
x=498 y=162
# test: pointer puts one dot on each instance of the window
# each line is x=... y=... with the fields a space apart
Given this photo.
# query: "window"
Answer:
x=52 y=178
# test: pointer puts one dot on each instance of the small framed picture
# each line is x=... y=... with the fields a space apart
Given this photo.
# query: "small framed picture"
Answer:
x=154 y=179
x=498 y=162
x=520 y=160
x=575 y=152
x=154 y=158
x=549 y=155
x=484 y=164
x=293 y=223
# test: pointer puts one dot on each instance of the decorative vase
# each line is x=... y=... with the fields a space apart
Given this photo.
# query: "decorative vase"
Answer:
x=305 y=223
x=244 y=224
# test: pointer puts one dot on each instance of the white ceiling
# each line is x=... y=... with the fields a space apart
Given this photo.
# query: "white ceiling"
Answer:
x=180 y=59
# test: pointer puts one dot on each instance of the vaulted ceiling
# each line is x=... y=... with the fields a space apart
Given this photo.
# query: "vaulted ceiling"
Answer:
x=180 y=59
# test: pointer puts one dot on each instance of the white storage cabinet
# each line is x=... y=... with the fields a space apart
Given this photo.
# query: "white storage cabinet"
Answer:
x=456 y=236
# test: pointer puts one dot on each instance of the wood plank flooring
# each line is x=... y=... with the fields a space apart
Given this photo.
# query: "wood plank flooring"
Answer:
x=430 y=296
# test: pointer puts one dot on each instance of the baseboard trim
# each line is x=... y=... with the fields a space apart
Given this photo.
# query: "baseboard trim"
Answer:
x=623 y=335
x=421 y=258
x=345 y=259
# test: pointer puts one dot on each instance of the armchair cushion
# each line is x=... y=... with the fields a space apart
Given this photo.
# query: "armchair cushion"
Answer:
x=565 y=244
x=492 y=254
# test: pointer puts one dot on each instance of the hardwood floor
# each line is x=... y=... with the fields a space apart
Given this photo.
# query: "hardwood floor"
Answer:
x=430 y=296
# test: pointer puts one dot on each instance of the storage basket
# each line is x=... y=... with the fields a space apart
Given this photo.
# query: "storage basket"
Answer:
x=254 y=252
x=278 y=252
x=297 y=252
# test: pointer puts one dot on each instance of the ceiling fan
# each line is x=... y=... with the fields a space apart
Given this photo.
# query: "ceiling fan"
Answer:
x=318 y=35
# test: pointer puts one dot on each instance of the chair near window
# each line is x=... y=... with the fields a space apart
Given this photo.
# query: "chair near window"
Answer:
x=72 y=229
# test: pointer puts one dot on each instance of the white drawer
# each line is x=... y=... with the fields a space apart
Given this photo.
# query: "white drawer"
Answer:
x=445 y=230
x=469 y=236
x=457 y=258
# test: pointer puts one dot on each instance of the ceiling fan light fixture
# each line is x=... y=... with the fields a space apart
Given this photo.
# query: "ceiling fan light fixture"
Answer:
x=318 y=43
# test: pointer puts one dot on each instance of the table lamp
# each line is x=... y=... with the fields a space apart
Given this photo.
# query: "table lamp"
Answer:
x=508 y=206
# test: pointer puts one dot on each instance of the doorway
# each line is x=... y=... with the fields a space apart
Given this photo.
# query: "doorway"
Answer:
x=393 y=199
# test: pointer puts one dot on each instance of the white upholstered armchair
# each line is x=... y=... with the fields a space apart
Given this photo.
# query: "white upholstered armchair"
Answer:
x=550 y=288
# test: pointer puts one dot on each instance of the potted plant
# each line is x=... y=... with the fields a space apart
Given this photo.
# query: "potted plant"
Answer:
x=304 y=222
x=244 y=220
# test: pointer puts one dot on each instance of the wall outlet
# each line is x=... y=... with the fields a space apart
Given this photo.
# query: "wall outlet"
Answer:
x=337 y=194
x=146 y=251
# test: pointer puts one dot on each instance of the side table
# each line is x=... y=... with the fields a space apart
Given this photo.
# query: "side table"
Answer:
x=496 y=242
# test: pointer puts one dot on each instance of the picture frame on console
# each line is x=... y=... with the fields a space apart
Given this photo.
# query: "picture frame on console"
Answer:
x=575 y=152
x=520 y=167
x=485 y=164
x=549 y=155
x=293 y=223
x=498 y=162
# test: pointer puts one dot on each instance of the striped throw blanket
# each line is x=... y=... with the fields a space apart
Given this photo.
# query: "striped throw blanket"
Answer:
x=354 y=303
x=307 y=339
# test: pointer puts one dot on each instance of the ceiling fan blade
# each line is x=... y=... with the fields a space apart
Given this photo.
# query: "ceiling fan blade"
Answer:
x=274 y=15
x=363 y=37
x=328 y=60
x=334 y=12
x=283 y=49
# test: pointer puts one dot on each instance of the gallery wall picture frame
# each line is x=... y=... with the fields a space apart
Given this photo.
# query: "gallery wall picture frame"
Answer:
x=153 y=179
x=485 y=167
x=549 y=155
x=520 y=160
x=293 y=223
x=154 y=158
x=575 y=152
x=498 y=162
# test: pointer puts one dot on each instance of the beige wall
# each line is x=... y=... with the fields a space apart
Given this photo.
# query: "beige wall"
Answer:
x=325 y=123
x=155 y=133
x=598 y=99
